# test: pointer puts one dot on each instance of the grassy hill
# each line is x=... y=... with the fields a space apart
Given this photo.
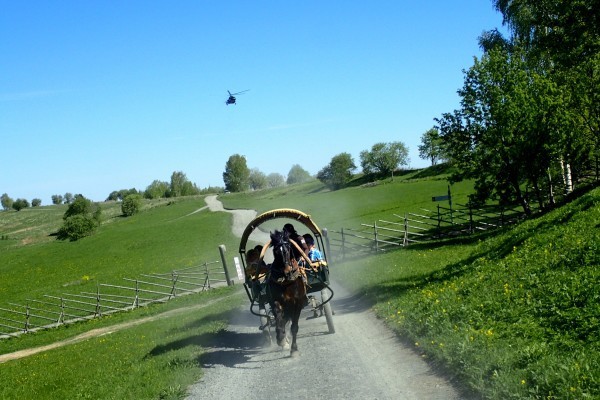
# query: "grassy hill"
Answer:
x=513 y=313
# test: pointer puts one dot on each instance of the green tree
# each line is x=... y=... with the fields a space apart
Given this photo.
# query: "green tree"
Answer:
x=297 y=174
x=68 y=198
x=431 y=147
x=36 y=202
x=57 y=199
x=131 y=205
x=275 y=180
x=257 y=179
x=20 y=204
x=6 y=201
x=236 y=175
x=508 y=130
x=156 y=190
x=81 y=219
x=338 y=172
x=384 y=158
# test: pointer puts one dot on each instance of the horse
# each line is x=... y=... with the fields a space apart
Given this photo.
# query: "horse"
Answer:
x=287 y=285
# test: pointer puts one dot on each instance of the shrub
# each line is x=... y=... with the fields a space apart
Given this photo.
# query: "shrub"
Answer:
x=131 y=205
x=77 y=226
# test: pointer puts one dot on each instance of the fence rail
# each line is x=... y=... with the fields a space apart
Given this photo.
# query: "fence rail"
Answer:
x=418 y=228
x=67 y=308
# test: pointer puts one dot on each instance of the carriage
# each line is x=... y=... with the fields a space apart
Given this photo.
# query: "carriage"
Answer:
x=257 y=279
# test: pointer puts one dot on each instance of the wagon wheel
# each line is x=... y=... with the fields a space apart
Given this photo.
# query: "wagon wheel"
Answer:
x=327 y=309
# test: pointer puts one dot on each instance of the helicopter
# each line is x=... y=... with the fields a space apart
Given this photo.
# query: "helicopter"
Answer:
x=231 y=99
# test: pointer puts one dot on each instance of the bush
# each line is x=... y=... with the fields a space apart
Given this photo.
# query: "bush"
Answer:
x=131 y=205
x=77 y=226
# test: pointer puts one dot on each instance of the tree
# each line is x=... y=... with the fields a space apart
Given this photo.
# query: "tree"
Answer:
x=297 y=174
x=156 y=190
x=508 y=130
x=178 y=180
x=20 y=204
x=236 y=175
x=81 y=219
x=68 y=198
x=275 y=180
x=257 y=179
x=36 y=202
x=131 y=205
x=338 y=172
x=57 y=199
x=384 y=158
x=431 y=147
x=6 y=201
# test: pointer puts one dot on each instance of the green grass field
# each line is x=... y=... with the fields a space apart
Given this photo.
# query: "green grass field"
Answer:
x=511 y=314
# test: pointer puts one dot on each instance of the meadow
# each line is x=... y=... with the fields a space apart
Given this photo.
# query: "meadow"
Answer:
x=511 y=313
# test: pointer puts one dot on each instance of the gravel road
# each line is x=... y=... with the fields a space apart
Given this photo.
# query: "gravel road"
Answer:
x=363 y=359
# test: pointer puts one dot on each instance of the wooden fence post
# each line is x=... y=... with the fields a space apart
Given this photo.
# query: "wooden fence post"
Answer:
x=222 y=251
x=405 y=241
x=375 y=235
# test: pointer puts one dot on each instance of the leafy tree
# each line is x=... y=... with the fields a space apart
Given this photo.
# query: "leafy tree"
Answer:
x=81 y=219
x=384 y=158
x=57 y=199
x=236 y=175
x=156 y=190
x=275 y=180
x=68 y=198
x=131 y=205
x=508 y=129
x=113 y=196
x=257 y=179
x=431 y=147
x=20 y=204
x=178 y=179
x=338 y=172
x=36 y=202
x=6 y=201
x=297 y=174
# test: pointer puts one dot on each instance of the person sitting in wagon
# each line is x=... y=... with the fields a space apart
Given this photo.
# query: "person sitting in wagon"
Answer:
x=314 y=254
x=298 y=239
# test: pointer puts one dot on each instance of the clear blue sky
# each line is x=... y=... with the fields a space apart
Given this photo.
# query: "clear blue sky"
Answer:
x=97 y=96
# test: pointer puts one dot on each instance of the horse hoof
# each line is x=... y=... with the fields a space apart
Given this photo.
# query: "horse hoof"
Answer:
x=295 y=354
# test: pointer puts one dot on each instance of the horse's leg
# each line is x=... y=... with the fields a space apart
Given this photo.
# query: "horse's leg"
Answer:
x=294 y=328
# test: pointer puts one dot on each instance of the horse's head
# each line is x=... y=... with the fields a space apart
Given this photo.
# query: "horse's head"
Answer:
x=282 y=249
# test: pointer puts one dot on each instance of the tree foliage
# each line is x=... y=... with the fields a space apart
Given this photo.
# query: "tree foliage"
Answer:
x=236 y=175
x=338 y=172
x=57 y=199
x=157 y=189
x=384 y=158
x=275 y=180
x=81 y=219
x=6 y=201
x=257 y=179
x=36 y=202
x=431 y=147
x=131 y=205
x=297 y=174
x=20 y=204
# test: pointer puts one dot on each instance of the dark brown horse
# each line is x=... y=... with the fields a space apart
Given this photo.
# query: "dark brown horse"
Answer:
x=287 y=285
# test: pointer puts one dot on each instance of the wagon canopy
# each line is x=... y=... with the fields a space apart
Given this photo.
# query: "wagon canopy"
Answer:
x=288 y=213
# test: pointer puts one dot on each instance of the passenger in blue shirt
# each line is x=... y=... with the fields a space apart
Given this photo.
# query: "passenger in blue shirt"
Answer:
x=313 y=253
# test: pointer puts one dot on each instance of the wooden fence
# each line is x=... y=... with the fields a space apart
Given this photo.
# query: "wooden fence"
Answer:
x=56 y=310
x=403 y=230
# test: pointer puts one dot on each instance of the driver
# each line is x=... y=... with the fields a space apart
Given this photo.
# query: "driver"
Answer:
x=296 y=237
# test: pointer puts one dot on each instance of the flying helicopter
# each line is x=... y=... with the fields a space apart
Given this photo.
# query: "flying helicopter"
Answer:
x=231 y=99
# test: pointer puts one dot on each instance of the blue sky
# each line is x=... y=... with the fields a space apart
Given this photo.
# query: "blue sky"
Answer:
x=97 y=96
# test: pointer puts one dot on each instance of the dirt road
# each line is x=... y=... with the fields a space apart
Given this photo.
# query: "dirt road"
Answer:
x=363 y=359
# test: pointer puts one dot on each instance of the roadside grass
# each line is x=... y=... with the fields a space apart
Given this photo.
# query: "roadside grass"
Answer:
x=153 y=360
x=514 y=315
x=160 y=239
